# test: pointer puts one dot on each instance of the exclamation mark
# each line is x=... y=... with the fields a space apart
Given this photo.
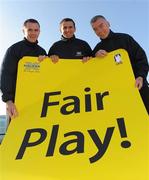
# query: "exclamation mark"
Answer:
x=123 y=133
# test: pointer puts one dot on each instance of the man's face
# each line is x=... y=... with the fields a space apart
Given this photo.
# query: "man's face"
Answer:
x=67 y=29
x=31 y=31
x=101 y=27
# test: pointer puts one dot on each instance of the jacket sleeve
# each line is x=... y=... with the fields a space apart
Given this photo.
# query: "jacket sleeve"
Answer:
x=43 y=52
x=140 y=59
x=8 y=75
x=88 y=50
x=52 y=50
x=97 y=47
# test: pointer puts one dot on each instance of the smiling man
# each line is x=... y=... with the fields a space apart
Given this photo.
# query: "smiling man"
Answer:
x=69 y=47
x=27 y=47
x=111 y=41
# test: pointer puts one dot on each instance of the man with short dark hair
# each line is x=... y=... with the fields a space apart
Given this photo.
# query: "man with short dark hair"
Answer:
x=111 y=41
x=69 y=47
x=27 y=47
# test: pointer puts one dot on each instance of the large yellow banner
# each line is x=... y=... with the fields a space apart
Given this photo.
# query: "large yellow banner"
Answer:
x=77 y=121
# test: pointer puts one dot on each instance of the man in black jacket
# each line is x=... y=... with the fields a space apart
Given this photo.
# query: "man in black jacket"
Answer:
x=26 y=47
x=69 y=47
x=111 y=41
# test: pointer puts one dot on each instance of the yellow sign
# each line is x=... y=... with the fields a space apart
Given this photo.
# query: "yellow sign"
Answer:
x=77 y=121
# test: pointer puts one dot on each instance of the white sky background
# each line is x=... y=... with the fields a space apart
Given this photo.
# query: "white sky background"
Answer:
x=127 y=16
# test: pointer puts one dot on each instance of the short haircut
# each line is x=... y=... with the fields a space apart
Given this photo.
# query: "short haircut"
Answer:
x=95 y=18
x=31 y=21
x=68 y=19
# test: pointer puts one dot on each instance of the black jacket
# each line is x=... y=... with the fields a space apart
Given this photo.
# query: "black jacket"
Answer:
x=72 y=48
x=136 y=53
x=10 y=64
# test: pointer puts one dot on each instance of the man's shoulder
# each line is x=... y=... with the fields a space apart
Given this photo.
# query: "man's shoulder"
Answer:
x=81 y=41
x=57 y=43
x=121 y=35
x=17 y=44
x=41 y=47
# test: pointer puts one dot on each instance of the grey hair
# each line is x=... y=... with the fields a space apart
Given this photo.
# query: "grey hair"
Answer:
x=95 y=18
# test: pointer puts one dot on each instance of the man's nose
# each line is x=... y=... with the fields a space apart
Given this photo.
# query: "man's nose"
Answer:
x=67 y=29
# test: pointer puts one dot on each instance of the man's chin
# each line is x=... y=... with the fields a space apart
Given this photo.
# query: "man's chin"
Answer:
x=32 y=40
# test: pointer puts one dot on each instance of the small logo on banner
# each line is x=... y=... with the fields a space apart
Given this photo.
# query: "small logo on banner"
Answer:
x=31 y=67
x=118 y=59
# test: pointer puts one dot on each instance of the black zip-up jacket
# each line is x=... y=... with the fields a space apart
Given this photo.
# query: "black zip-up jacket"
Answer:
x=10 y=64
x=136 y=53
x=72 y=48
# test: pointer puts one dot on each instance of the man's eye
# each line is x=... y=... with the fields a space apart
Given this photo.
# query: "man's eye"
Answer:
x=29 y=30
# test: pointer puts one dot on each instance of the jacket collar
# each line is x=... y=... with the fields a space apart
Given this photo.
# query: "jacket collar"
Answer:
x=110 y=35
x=67 y=39
x=30 y=43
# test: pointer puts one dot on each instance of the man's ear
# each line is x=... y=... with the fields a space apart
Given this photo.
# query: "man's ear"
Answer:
x=108 y=23
x=60 y=28
x=23 y=30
